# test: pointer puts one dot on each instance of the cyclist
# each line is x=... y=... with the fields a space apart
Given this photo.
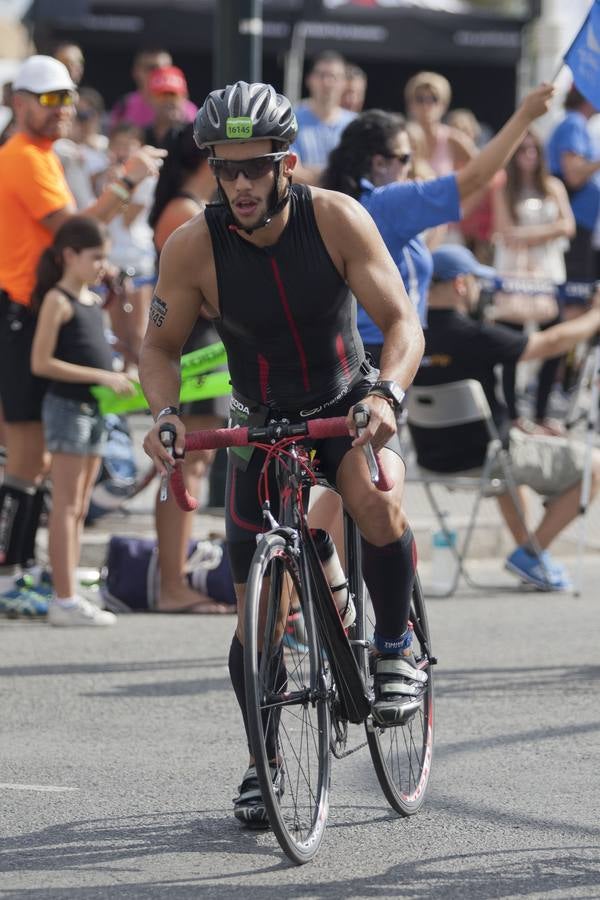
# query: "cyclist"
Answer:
x=276 y=265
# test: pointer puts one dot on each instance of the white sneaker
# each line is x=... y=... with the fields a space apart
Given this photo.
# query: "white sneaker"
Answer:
x=81 y=612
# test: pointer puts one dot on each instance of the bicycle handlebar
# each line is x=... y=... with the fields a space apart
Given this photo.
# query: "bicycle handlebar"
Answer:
x=215 y=439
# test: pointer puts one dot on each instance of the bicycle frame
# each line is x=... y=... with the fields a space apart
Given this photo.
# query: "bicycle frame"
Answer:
x=292 y=482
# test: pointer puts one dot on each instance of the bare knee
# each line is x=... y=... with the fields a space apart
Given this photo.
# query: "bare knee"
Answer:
x=380 y=520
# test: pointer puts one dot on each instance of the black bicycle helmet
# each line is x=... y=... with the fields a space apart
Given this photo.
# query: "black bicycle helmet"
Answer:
x=245 y=112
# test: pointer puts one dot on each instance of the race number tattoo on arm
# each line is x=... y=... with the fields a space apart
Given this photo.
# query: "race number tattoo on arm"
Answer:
x=158 y=311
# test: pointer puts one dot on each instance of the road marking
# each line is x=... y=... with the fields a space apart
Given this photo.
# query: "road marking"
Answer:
x=36 y=787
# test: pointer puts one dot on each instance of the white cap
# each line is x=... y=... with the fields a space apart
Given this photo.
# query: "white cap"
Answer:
x=39 y=74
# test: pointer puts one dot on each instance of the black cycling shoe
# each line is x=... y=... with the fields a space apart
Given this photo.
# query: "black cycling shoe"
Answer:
x=248 y=806
x=399 y=690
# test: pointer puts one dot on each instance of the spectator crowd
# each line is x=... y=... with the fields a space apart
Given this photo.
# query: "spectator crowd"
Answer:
x=90 y=195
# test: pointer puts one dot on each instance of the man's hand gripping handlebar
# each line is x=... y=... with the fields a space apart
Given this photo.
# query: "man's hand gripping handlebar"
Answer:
x=267 y=436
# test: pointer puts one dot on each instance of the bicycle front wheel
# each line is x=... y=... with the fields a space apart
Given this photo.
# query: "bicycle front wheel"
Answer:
x=402 y=754
x=287 y=701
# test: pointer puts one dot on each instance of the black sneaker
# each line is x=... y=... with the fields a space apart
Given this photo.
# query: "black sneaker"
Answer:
x=248 y=806
x=399 y=689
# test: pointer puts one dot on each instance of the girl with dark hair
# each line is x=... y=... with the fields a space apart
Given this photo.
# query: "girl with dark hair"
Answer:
x=532 y=221
x=70 y=350
x=184 y=184
x=372 y=163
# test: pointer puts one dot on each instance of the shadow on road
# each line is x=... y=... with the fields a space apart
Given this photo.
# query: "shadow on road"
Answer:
x=108 y=668
x=494 y=875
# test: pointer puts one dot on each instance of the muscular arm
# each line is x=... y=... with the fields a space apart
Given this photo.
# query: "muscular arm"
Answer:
x=175 y=307
x=373 y=277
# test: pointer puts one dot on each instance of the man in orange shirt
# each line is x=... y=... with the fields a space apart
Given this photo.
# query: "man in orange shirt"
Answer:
x=34 y=202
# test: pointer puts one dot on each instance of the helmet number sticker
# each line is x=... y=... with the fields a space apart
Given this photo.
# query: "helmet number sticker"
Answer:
x=240 y=127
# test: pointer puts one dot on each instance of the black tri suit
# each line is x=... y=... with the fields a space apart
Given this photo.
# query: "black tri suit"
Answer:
x=288 y=323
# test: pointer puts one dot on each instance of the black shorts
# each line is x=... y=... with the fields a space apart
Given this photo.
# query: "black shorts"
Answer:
x=203 y=334
x=243 y=514
x=580 y=260
x=21 y=392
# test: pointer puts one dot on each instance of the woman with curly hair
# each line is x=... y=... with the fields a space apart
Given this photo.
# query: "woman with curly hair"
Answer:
x=372 y=163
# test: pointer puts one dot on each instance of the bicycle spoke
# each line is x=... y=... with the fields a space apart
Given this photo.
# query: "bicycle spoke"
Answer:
x=402 y=754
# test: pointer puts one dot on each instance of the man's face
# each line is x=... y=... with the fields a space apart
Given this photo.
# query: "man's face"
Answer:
x=170 y=108
x=472 y=292
x=327 y=82
x=249 y=199
x=50 y=122
x=353 y=97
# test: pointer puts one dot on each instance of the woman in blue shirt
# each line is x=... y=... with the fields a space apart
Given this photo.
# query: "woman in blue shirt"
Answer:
x=372 y=164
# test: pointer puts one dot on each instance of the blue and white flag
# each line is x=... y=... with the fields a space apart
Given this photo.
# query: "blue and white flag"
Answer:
x=583 y=57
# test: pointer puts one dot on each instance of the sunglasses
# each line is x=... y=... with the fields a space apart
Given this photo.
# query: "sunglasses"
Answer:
x=427 y=99
x=403 y=158
x=54 y=99
x=252 y=169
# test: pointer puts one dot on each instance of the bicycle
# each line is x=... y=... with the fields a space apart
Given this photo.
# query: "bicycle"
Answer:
x=301 y=700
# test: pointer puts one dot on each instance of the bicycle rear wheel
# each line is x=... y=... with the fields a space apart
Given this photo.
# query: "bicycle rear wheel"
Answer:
x=287 y=701
x=402 y=755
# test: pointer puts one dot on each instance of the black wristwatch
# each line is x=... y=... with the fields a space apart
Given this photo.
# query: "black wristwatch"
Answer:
x=168 y=411
x=389 y=390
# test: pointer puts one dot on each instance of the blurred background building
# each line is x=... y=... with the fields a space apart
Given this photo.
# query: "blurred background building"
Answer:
x=488 y=49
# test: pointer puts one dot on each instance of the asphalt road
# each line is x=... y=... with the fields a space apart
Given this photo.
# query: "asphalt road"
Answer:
x=120 y=752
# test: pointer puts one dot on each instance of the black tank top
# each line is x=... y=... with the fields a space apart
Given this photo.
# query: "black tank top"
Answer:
x=81 y=341
x=287 y=318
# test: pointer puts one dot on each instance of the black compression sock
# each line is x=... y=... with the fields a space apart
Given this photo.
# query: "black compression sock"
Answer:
x=279 y=683
x=16 y=499
x=236 y=673
x=389 y=574
x=31 y=527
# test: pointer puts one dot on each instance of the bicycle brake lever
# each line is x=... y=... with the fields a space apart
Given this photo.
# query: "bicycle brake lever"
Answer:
x=361 y=420
x=166 y=436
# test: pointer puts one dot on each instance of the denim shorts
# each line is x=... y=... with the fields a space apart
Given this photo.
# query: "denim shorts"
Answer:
x=71 y=426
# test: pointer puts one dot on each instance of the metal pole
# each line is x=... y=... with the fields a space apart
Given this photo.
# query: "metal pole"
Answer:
x=237 y=41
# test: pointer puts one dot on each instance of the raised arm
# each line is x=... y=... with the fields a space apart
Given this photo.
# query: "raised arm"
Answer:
x=494 y=156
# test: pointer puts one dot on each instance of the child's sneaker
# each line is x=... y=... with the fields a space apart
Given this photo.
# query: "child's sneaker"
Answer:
x=18 y=603
x=43 y=586
x=79 y=612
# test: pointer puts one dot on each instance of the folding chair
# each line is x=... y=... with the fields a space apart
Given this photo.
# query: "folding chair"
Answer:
x=451 y=409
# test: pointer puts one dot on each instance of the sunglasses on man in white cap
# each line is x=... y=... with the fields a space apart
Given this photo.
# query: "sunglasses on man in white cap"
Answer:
x=48 y=79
